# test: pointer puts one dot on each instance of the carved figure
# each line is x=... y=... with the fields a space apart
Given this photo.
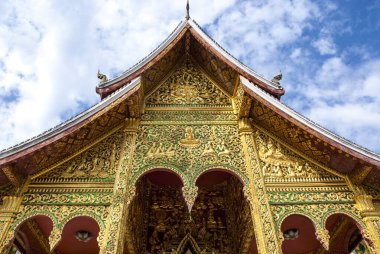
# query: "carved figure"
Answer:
x=208 y=149
x=278 y=163
x=159 y=151
x=223 y=149
x=276 y=79
x=103 y=78
x=189 y=140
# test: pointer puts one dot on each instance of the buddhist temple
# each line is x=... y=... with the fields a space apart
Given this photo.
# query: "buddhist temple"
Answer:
x=189 y=152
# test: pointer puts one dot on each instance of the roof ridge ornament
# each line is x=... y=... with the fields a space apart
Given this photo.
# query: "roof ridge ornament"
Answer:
x=187 y=10
x=103 y=78
x=276 y=79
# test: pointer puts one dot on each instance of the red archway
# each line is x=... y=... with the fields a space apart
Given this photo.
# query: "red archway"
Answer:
x=345 y=234
x=32 y=235
x=300 y=236
x=222 y=209
x=157 y=212
x=79 y=236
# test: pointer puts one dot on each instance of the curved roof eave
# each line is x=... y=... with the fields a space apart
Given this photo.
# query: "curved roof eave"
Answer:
x=182 y=25
x=303 y=120
x=69 y=123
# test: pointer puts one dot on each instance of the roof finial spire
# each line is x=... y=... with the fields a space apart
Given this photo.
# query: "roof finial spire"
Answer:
x=187 y=10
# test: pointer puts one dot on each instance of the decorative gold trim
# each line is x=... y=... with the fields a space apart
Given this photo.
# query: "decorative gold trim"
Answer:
x=77 y=189
x=42 y=172
x=207 y=109
x=175 y=67
x=71 y=185
x=305 y=184
x=307 y=187
x=300 y=153
x=187 y=123
x=264 y=226
x=122 y=194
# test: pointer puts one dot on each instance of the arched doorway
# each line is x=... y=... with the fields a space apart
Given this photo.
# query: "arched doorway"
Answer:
x=158 y=220
x=79 y=235
x=32 y=236
x=221 y=214
x=345 y=235
x=299 y=235
x=157 y=217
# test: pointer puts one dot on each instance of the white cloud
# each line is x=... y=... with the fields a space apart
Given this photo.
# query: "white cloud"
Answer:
x=256 y=31
x=325 y=46
x=346 y=100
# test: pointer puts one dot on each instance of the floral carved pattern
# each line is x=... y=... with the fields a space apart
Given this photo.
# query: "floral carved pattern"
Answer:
x=188 y=86
x=188 y=149
x=318 y=213
x=310 y=197
x=68 y=198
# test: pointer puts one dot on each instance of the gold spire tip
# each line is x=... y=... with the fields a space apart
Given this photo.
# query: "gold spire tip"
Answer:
x=187 y=10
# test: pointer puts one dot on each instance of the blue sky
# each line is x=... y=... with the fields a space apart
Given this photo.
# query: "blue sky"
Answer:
x=328 y=52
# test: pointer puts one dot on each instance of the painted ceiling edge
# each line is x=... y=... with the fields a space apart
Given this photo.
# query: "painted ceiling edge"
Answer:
x=76 y=122
x=334 y=139
x=104 y=88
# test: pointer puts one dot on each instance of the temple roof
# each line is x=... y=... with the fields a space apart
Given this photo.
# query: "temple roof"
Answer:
x=177 y=37
x=122 y=97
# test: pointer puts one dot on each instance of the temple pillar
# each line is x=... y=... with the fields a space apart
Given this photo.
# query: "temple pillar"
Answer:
x=54 y=238
x=11 y=207
x=263 y=223
x=114 y=239
x=371 y=217
x=8 y=211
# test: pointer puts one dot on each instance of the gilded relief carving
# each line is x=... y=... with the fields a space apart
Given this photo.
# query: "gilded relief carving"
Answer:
x=242 y=102
x=219 y=223
x=189 y=141
x=269 y=120
x=221 y=117
x=239 y=218
x=279 y=162
x=190 y=194
x=157 y=151
x=310 y=197
x=266 y=235
x=59 y=214
x=188 y=149
x=188 y=86
x=97 y=162
x=68 y=198
x=318 y=213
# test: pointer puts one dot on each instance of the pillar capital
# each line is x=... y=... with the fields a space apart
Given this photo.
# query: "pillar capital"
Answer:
x=245 y=125
x=11 y=204
x=131 y=124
